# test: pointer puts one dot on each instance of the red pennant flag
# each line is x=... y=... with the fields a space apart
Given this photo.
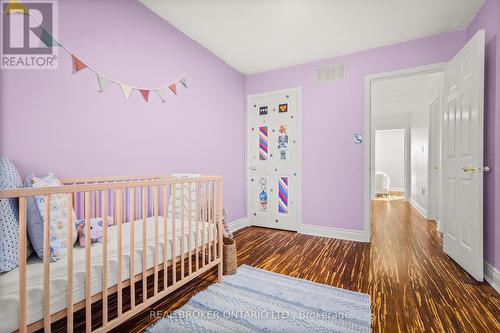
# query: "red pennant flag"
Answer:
x=78 y=65
x=145 y=94
x=173 y=88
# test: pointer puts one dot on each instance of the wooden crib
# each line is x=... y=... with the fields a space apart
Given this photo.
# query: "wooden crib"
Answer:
x=147 y=203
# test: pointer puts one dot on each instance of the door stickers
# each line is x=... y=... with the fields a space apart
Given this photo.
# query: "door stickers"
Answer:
x=263 y=143
x=283 y=108
x=283 y=142
x=283 y=195
x=263 y=194
x=263 y=110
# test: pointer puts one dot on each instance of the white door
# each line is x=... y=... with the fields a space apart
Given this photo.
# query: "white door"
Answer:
x=273 y=159
x=463 y=157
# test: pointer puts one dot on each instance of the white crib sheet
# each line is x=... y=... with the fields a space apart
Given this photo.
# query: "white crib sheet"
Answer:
x=9 y=282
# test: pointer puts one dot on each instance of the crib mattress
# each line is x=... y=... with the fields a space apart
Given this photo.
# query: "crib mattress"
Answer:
x=9 y=282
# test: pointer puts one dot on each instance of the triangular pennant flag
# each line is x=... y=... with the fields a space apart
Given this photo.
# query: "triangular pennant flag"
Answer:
x=145 y=94
x=173 y=88
x=184 y=82
x=126 y=90
x=16 y=6
x=48 y=39
x=78 y=65
x=103 y=82
x=162 y=93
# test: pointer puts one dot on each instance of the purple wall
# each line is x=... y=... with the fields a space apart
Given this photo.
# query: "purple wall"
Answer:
x=489 y=19
x=51 y=120
x=332 y=164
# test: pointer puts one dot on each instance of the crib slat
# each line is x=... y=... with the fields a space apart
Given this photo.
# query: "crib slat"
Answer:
x=105 y=257
x=214 y=220
x=165 y=237
x=203 y=218
x=144 y=243
x=69 y=264
x=209 y=222
x=155 y=214
x=132 y=247
x=182 y=231
x=174 y=233
x=46 y=264
x=190 y=245
x=197 y=216
x=221 y=211
x=23 y=306
x=119 y=217
x=88 y=293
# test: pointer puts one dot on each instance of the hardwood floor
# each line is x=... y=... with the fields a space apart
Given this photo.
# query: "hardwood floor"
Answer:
x=413 y=285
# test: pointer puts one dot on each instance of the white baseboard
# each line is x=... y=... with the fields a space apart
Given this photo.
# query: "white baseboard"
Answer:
x=419 y=208
x=492 y=275
x=238 y=224
x=396 y=189
x=439 y=226
x=352 y=235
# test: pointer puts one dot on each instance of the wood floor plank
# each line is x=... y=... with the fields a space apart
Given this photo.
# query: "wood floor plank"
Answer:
x=413 y=285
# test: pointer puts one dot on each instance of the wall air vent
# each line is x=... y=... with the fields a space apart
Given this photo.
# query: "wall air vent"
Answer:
x=330 y=73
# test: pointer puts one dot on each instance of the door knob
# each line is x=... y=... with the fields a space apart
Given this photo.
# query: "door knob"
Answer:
x=469 y=168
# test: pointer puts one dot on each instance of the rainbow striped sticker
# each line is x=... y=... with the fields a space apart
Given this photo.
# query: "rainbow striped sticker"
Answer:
x=263 y=143
x=283 y=195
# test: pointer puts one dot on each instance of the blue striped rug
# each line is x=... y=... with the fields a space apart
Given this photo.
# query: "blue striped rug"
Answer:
x=255 y=300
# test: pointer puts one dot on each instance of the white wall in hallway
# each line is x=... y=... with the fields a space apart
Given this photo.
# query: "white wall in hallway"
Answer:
x=390 y=156
x=420 y=160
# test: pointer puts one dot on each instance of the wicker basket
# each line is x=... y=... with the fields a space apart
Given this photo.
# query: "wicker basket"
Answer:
x=230 y=262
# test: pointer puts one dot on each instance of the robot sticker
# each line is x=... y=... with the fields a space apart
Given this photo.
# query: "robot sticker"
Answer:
x=283 y=142
x=263 y=197
x=263 y=110
x=283 y=108
x=283 y=195
x=263 y=143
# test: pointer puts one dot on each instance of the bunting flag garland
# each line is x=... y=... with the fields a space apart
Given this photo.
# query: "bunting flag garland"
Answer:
x=145 y=94
x=17 y=7
x=183 y=81
x=173 y=88
x=126 y=90
x=78 y=65
x=162 y=93
x=103 y=82
x=48 y=39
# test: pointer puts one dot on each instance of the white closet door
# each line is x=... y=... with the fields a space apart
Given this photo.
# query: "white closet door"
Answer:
x=273 y=159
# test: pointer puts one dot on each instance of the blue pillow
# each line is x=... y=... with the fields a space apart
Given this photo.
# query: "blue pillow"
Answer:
x=9 y=218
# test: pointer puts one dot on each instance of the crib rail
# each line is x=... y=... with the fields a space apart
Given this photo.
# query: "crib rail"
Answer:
x=154 y=201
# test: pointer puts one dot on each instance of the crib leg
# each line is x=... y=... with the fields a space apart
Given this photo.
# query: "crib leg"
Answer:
x=220 y=278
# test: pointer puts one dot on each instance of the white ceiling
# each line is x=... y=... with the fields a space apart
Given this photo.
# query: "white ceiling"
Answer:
x=405 y=95
x=260 y=35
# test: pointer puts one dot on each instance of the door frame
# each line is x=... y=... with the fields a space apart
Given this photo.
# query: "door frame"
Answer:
x=435 y=188
x=369 y=163
x=297 y=90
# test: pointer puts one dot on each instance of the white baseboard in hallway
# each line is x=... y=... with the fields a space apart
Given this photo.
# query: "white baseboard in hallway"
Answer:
x=419 y=208
x=352 y=235
x=492 y=275
x=238 y=224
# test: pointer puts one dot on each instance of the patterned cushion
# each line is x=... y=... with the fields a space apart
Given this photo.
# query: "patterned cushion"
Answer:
x=9 y=214
x=178 y=197
x=58 y=219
